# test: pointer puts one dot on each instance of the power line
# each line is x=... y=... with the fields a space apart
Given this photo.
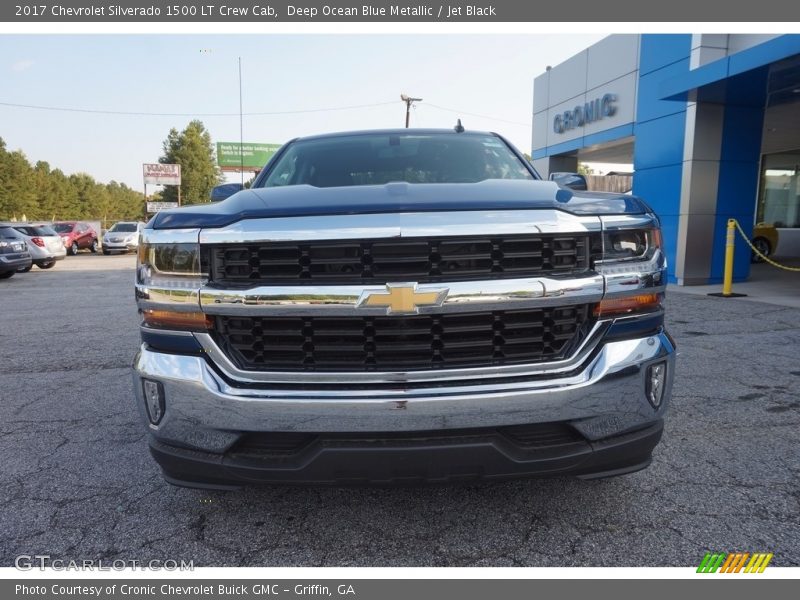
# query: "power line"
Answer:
x=160 y=114
x=463 y=112
x=247 y=114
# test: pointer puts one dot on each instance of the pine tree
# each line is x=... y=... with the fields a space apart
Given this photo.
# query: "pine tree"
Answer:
x=193 y=151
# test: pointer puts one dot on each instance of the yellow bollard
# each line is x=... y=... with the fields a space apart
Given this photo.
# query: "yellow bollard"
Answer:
x=727 y=280
x=727 y=277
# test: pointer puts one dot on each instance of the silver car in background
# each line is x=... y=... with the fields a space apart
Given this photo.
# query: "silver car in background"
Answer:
x=122 y=237
x=44 y=244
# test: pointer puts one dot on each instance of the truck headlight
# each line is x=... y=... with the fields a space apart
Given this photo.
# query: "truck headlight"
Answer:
x=622 y=246
x=633 y=263
x=171 y=275
x=170 y=265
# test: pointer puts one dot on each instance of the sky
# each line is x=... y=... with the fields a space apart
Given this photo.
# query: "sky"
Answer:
x=487 y=75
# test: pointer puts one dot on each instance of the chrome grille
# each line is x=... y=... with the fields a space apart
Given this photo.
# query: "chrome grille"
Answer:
x=393 y=343
x=395 y=259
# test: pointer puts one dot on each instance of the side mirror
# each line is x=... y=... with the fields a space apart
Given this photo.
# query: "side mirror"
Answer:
x=226 y=190
x=573 y=181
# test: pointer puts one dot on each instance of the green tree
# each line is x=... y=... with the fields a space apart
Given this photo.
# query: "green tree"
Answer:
x=41 y=193
x=193 y=151
x=42 y=183
x=16 y=192
x=66 y=196
x=85 y=189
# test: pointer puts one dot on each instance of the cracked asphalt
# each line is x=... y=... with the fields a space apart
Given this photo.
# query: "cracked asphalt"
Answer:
x=77 y=481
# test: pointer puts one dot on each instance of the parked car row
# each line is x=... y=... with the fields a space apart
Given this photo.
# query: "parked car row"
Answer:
x=77 y=236
x=44 y=245
x=14 y=252
x=122 y=237
x=23 y=245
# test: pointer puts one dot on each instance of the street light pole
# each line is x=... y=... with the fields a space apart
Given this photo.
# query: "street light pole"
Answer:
x=409 y=101
x=241 y=124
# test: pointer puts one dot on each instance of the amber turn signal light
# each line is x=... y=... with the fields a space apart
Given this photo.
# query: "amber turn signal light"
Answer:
x=172 y=319
x=629 y=304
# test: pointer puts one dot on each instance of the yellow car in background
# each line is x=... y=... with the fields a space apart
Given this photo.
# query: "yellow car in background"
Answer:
x=765 y=240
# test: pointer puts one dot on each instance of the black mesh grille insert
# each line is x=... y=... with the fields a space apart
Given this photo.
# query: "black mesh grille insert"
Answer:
x=387 y=343
x=408 y=259
x=536 y=436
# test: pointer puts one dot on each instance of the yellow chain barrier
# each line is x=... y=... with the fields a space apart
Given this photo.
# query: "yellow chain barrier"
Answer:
x=763 y=256
x=727 y=275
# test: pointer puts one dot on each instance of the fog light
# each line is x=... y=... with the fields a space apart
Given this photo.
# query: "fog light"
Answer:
x=654 y=383
x=153 y=400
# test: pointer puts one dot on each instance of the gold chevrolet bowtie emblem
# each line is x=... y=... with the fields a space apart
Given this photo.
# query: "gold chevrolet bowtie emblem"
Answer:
x=401 y=298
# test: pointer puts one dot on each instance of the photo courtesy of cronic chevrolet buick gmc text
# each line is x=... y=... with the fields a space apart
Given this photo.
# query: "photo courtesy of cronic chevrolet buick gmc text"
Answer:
x=402 y=306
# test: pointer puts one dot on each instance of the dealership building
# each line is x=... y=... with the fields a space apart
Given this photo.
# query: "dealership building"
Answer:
x=710 y=123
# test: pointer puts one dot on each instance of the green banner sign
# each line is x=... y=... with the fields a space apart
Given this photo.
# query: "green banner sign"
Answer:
x=255 y=155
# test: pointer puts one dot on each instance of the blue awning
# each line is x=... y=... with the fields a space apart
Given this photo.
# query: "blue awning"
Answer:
x=711 y=81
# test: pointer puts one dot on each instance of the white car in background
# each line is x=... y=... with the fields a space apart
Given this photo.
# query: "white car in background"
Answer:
x=122 y=237
x=44 y=244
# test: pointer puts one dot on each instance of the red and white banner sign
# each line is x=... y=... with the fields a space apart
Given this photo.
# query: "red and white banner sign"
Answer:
x=159 y=174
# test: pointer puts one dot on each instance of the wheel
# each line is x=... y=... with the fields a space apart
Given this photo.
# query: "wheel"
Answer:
x=73 y=249
x=25 y=269
x=7 y=274
x=46 y=264
x=93 y=247
x=106 y=252
x=762 y=245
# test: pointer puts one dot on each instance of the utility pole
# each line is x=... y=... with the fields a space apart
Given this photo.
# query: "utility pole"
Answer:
x=409 y=101
x=241 y=124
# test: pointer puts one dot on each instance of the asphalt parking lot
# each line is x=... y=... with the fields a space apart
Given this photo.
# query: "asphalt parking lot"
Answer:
x=77 y=481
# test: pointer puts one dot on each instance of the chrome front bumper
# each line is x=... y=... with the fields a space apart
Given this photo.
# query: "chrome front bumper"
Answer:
x=601 y=397
x=120 y=246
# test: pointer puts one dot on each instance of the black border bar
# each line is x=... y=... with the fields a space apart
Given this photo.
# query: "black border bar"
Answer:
x=445 y=11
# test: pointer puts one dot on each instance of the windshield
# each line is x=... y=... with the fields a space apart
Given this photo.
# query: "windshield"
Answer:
x=35 y=230
x=63 y=227
x=124 y=227
x=8 y=233
x=376 y=159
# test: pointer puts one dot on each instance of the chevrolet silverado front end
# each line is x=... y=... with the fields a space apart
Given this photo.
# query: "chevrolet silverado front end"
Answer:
x=402 y=306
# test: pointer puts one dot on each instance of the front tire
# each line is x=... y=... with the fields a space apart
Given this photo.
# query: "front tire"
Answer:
x=7 y=274
x=762 y=245
x=46 y=264
x=73 y=249
x=93 y=247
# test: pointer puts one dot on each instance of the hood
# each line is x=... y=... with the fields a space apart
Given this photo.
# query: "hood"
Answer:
x=306 y=200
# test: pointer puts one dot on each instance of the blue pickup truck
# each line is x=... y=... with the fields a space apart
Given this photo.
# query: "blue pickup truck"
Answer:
x=402 y=306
